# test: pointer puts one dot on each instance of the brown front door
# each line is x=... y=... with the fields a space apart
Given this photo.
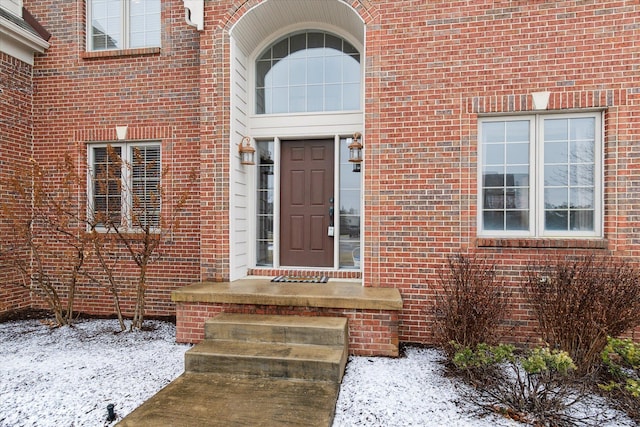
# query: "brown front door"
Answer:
x=306 y=205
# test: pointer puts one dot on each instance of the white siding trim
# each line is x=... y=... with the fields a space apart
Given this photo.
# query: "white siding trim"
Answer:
x=257 y=28
x=20 y=43
x=13 y=6
x=306 y=125
x=241 y=177
x=262 y=21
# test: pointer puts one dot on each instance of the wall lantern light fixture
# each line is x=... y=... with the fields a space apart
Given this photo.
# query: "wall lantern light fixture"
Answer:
x=355 y=151
x=247 y=152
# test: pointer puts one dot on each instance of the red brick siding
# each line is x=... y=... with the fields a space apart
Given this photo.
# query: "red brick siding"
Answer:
x=431 y=69
x=81 y=97
x=16 y=101
x=215 y=87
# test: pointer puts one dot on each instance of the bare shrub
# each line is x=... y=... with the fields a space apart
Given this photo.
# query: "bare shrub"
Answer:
x=579 y=303
x=54 y=244
x=471 y=306
x=154 y=215
x=44 y=227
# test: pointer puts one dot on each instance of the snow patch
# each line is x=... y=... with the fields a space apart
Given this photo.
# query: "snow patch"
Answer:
x=68 y=376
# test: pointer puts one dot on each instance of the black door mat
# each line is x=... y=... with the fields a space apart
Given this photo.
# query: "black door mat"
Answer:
x=300 y=279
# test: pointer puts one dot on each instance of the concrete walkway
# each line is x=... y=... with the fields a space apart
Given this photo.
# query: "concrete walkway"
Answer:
x=255 y=370
x=223 y=400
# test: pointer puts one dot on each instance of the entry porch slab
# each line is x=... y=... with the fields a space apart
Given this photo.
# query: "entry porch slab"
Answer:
x=372 y=313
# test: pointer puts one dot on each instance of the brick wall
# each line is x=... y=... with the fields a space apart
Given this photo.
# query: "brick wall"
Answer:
x=215 y=89
x=16 y=90
x=371 y=332
x=81 y=97
x=432 y=68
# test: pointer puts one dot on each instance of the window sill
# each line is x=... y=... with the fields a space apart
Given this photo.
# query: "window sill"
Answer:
x=120 y=53
x=490 y=242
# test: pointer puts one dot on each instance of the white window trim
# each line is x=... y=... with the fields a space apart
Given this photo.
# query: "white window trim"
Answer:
x=283 y=32
x=124 y=27
x=126 y=176
x=276 y=209
x=536 y=178
x=20 y=43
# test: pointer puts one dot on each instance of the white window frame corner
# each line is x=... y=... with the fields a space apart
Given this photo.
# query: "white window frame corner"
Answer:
x=536 y=177
x=126 y=154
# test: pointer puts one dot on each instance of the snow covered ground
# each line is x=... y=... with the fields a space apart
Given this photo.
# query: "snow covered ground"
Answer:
x=68 y=376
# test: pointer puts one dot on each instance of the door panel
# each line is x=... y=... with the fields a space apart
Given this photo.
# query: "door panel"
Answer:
x=317 y=191
x=318 y=233
x=296 y=239
x=306 y=192
x=297 y=178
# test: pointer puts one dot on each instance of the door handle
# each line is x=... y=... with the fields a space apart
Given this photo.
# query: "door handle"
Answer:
x=331 y=210
x=331 y=230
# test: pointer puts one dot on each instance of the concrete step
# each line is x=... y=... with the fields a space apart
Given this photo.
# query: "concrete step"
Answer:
x=283 y=329
x=264 y=359
x=255 y=370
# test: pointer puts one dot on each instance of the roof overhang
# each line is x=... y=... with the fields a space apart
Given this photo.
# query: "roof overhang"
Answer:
x=259 y=23
x=19 y=42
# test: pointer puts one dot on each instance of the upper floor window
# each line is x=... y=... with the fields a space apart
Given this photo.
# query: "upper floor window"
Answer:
x=540 y=176
x=123 y=24
x=125 y=185
x=312 y=71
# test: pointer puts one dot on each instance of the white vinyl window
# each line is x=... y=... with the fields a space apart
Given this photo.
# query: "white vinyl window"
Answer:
x=124 y=185
x=123 y=24
x=540 y=176
x=309 y=71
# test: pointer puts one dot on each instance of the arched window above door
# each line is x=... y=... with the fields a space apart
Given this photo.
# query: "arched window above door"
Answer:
x=310 y=71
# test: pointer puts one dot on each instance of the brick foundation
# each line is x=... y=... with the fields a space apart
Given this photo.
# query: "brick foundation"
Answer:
x=371 y=332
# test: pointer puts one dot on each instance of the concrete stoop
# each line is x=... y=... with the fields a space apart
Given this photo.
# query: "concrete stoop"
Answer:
x=308 y=348
x=255 y=370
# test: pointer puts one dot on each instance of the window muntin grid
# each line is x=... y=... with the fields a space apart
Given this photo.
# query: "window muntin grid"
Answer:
x=123 y=24
x=541 y=175
x=310 y=71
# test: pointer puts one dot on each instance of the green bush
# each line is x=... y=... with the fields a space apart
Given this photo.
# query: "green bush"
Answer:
x=542 y=360
x=621 y=353
x=621 y=357
x=482 y=356
x=536 y=386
